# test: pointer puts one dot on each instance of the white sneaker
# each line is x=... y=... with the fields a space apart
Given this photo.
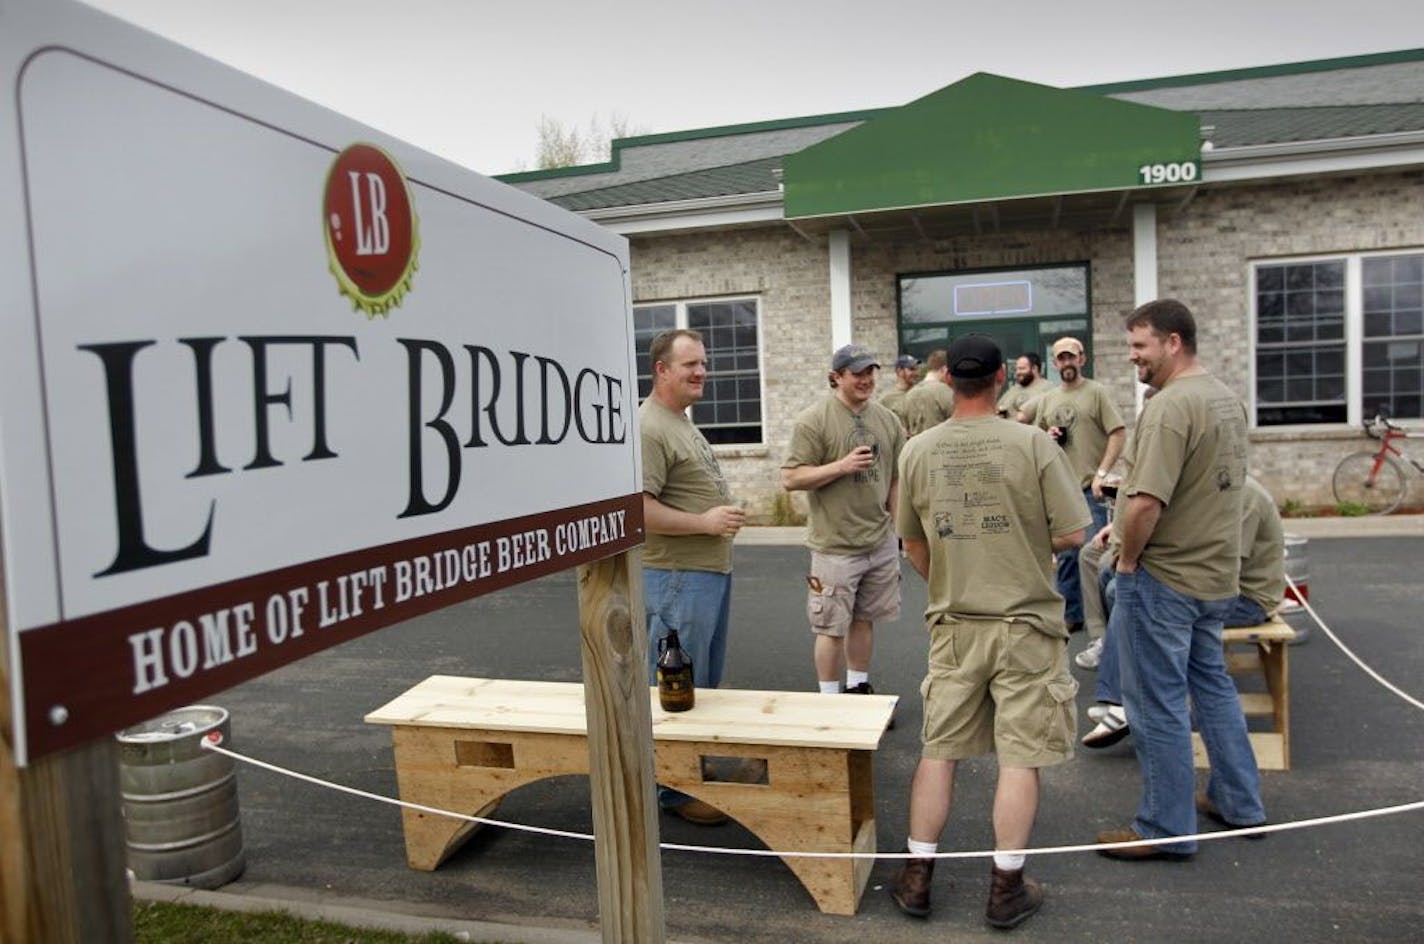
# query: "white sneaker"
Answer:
x=1091 y=656
x=1096 y=712
x=1111 y=729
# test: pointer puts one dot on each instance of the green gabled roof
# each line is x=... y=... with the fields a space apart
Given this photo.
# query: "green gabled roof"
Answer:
x=986 y=138
x=749 y=177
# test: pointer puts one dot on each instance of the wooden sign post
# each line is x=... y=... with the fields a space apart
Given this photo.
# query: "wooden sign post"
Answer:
x=620 y=739
x=61 y=841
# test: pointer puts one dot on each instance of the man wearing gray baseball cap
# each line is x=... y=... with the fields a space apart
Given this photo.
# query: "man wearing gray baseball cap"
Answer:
x=843 y=454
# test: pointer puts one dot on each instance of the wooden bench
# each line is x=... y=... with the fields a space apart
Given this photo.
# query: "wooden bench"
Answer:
x=461 y=744
x=1260 y=651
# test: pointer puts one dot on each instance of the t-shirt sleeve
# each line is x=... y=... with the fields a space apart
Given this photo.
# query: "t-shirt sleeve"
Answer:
x=907 y=520
x=805 y=447
x=1063 y=502
x=655 y=464
x=1032 y=408
x=1111 y=418
x=1161 y=450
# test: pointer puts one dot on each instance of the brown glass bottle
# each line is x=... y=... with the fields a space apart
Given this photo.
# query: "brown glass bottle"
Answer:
x=675 y=689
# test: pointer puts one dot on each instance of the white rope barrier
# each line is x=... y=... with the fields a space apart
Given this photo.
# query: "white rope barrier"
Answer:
x=213 y=742
x=1300 y=598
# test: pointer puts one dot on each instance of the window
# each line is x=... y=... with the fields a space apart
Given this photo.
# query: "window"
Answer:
x=1393 y=335
x=1338 y=339
x=730 y=409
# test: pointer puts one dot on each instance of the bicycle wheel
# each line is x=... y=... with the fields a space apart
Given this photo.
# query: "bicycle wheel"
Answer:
x=1352 y=482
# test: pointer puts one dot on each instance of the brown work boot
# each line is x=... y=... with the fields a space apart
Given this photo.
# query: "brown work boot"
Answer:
x=1012 y=898
x=696 y=811
x=911 y=890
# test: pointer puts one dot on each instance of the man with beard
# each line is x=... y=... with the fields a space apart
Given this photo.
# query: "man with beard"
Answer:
x=1029 y=383
x=1081 y=417
x=843 y=454
x=1178 y=525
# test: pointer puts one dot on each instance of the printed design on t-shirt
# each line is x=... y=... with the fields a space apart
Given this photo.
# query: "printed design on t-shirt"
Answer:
x=862 y=435
x=1064 y=415
x=710 y=466
x=1231 y=444
x=966 y=488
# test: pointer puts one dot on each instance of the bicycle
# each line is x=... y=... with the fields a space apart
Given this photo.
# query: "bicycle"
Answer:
x=1376 y=480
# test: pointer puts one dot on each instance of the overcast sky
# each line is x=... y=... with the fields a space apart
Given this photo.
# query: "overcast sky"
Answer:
x=469 y=79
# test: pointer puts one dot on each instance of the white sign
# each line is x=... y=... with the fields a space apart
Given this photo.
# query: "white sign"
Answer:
x=269 y=380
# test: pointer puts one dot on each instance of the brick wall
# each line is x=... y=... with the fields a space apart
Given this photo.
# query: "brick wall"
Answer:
x=791 y=277
x=1204 y=253
x=1204 y=257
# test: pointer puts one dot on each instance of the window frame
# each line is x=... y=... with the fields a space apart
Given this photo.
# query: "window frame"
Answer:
x=680 y=306
x=1354 y=315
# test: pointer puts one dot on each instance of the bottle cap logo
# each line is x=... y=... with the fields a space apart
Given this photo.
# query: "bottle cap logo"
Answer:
x=372 y=237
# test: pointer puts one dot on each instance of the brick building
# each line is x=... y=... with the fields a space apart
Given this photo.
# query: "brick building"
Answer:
x=1283 y=204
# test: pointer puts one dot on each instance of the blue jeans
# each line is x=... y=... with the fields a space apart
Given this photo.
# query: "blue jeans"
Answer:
x=1067 y=577
x=1170 y=647
x=1244 y=611
x=697 y=604
x=1109 y=683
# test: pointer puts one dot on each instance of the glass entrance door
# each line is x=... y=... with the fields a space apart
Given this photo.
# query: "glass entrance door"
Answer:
x=1022 y=309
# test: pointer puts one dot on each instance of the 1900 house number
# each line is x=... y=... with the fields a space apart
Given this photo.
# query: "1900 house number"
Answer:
x=1183 y=172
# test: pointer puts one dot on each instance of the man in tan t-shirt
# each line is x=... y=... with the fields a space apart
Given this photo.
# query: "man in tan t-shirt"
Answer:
x=1262 y=583
x=931 y=401
x=843 y=454
x=1028 y=384
x=984 y=504
x=907 y=373
x=1080 y=416
x=1178 y=526
x=690 y=519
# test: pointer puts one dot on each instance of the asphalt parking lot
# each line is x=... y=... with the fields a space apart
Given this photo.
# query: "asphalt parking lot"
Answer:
x=1355 y=746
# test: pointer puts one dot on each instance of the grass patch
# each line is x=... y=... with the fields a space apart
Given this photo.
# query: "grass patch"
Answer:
x=784 y=513
x=1294 y=508
x=1352 y=510
x=161 y=922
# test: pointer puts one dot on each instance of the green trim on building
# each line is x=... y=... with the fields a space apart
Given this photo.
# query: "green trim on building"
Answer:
x=1258 y=72
x=989 y=138
x=696 y=134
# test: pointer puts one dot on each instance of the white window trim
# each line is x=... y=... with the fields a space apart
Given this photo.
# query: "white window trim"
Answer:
x=680 y=320
x=1354 y=333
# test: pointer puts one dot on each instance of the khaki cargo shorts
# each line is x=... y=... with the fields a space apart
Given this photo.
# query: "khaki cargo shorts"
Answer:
x=998 y=687
x=844 y=588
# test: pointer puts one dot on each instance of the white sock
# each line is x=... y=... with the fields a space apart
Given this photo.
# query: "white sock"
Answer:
x=922 y=849
x=1008 y=863
x=830 y=688
x=854 y=678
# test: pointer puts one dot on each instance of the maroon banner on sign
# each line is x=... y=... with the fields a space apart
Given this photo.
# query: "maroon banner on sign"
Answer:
x=88 y=677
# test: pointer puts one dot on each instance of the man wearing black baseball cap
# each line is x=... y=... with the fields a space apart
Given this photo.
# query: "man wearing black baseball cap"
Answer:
x=979 y=496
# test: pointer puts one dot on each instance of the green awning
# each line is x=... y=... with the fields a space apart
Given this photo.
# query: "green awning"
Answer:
x=991 y=138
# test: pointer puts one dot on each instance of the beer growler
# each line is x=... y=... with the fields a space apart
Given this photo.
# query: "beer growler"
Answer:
x=675 y=690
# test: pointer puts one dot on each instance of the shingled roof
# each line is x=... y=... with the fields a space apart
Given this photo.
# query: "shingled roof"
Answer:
x=1355 y=97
